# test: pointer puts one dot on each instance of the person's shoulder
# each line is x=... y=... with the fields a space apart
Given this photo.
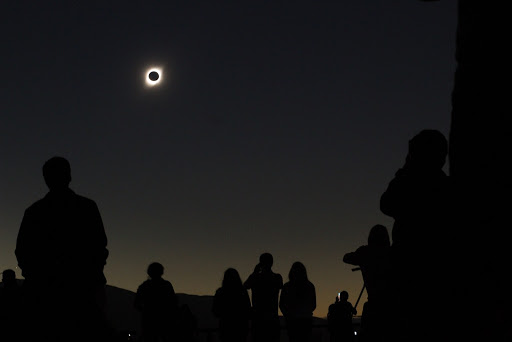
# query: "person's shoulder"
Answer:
x=278 y=280
x=167 y=283
x=249 y=283
x=402 y=172
x=144 y=285
x=37 y=205
x=84 y=200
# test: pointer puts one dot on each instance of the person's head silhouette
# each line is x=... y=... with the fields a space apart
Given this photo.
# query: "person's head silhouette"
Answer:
x=298 y=272
x=343 y=296
x=8 y=277
x=57 y=173
x=231 y=279
x=428 y=149
x=379 y=236
x=266 y=261
x=155 y=270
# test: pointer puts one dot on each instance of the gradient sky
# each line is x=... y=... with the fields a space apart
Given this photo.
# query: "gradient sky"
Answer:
x=276 y=127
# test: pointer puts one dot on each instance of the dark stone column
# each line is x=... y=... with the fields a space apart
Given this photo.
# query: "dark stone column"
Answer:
x=480 y=158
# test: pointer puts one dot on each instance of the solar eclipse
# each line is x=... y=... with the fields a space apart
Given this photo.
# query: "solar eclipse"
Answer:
x=153 y=76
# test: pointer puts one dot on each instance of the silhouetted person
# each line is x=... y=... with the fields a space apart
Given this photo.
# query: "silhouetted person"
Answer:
x=265 y=286
x=158 y=304
x=374 y=261
x=339 y=319
x=10 y=298
x=231 y=304
x=419 y=199
x=61 y=250
x=297 y=303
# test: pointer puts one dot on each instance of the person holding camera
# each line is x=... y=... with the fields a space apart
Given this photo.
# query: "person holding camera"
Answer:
x=374 y=261
x=419 y=200
x=339 y=319
x=265 y=286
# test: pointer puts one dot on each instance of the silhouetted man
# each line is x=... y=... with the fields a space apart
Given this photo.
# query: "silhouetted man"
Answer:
x=158 y=304
x=339 y=319
x=265 y=286
x=419 y=199
x=61 y=250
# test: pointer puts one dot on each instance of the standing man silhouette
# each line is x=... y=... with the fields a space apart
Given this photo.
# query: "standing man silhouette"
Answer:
x=61 y=250
x=419 y=199
x=157 y=302
x=265 y=286
x=339 y=319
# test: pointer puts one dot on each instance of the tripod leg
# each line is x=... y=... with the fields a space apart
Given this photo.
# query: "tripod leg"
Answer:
x=360 y=294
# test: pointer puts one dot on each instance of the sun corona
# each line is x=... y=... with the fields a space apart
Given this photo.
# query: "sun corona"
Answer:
x=153 y=76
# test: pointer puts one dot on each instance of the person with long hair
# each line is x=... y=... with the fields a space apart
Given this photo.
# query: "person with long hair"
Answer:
x=232 y=306
x=297 y=303
x=374 y=259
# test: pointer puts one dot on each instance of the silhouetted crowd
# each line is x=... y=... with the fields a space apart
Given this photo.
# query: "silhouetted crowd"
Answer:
x=429 y=261
x=62 y=249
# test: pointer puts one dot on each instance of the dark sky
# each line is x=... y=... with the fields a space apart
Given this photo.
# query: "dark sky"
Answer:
x=276 y=127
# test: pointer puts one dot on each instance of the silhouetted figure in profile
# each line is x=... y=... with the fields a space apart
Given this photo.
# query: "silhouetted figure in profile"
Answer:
x=339 y=319
x=231 y=304
x=61 y=250
x=158 y=304
x=265 y=286
x=10 y=298
x=374 y=261
x=418 y=198
x=297 y=303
